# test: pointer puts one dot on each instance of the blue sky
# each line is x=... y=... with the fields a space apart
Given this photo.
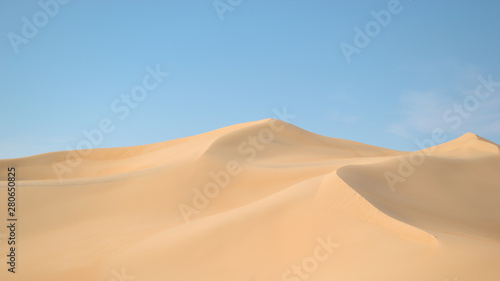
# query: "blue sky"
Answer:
x=65 y=68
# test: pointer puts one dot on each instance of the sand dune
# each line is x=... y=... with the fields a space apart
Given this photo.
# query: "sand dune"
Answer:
x=258 y=201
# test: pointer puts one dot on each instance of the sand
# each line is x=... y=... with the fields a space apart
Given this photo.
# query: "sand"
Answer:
x=257 y=201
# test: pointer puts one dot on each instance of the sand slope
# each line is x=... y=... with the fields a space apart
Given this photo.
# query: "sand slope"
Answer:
x=258 y=201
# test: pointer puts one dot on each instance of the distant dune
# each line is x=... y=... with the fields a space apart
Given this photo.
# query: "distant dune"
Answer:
x=257 y=201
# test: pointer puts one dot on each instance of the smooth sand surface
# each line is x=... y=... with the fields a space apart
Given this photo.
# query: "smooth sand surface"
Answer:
x=258 y=201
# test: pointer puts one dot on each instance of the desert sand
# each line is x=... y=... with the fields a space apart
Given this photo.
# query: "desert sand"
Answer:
x=257 y=201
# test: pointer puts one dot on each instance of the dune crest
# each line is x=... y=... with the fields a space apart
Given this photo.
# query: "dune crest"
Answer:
x=467 y=145
x=336 y=194
x=263 y=200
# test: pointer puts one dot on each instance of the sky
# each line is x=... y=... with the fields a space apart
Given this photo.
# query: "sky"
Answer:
x=122 y=73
